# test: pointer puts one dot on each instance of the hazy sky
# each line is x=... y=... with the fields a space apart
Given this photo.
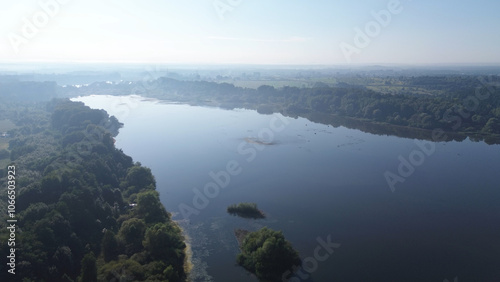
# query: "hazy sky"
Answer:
x=251 y=31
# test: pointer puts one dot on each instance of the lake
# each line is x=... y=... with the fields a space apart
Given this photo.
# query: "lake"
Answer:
x=325 y=187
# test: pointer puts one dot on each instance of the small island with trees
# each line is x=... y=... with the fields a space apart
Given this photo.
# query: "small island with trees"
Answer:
x=266 y=254
x=246 y=210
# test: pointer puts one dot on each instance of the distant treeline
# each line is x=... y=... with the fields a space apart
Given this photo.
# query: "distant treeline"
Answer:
x=27 y=91
x=468 y=106
x=85 y=211
x=465 y=106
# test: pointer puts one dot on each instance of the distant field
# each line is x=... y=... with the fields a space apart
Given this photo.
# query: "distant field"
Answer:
x=6 y=125
x=279 y=83
x=396 y=89
x=4 y=143
x=4 y=163
x=275 y=83
x=375 y=84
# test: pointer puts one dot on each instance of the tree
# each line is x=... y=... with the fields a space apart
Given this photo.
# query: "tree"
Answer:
x=89 y=268
x=132 y=233
x=122 y=270
x=492 y=126
x=51 y=188
x=63 y=260
x=109 y=246
x=163 y=242
x=150 y=208
x=139 y=178
x=247 y=210
x=267 y=254
x=4 y=154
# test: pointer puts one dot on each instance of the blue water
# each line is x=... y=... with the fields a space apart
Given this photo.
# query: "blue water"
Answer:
x=317 y=184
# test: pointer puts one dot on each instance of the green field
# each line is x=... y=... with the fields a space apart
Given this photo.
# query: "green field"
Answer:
x=398 y=89
x=275 y=83
x=4 y=143
x=279 y=83
x=5 y=125
x=382 y=85
x=4 y=163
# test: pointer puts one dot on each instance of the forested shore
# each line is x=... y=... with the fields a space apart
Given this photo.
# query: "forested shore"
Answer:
x=85 y=211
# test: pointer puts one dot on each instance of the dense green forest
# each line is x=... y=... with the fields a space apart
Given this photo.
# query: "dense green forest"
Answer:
x=461 y=106
x=85 y=211
x=268 y=255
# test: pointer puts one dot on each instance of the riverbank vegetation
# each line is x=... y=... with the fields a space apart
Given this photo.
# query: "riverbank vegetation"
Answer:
x=85 y=210
x=246 y=210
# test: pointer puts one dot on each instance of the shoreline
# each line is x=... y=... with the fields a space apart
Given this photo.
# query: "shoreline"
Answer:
x=240 y=235
x=188 y=252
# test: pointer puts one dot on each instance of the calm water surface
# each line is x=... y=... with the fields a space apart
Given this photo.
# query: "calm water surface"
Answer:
x=318 y=184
